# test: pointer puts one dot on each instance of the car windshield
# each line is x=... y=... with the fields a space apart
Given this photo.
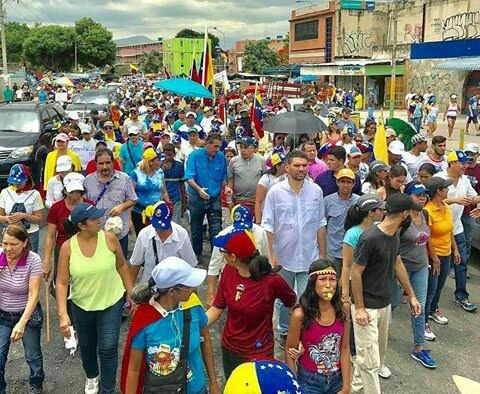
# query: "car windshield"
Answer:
x=91 y=98
x=22 y=121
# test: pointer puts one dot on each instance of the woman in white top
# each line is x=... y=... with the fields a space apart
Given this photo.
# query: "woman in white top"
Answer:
x=451 y=112
x=273 y=175
x=55 y=187
x=21 y=204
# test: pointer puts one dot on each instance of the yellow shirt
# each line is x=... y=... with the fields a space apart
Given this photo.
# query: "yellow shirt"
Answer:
x=441 y=228
x=358 y=102
x=51 y=163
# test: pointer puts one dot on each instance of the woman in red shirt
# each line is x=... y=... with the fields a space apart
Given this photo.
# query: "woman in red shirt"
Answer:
x=248 y=288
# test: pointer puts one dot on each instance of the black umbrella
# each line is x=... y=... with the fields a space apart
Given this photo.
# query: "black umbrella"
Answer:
x=295 y=122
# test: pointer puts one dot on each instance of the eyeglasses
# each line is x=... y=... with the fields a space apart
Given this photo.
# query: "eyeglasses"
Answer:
x=132 y=135
x=108 y=127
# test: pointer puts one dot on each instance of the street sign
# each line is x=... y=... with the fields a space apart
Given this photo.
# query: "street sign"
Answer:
x=358 y=5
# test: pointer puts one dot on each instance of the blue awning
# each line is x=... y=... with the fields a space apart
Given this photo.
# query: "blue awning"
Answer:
x=460 y=64
x=306 y=78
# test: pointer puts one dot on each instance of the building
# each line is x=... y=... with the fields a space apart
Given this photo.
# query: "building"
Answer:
x=178 y=54
x=312 y=33
x=133 y=49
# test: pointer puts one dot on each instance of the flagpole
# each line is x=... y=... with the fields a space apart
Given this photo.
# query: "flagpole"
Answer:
x=253 y=103
x=191 y=63
x=204 y=77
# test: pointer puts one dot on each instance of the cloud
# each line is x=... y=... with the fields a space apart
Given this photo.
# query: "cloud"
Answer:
x=163 y=18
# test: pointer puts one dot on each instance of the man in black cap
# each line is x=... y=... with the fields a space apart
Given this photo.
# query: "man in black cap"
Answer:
x=346 y=121
x=376 y=259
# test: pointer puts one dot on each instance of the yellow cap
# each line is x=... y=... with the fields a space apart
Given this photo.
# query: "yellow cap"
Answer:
x=345 y=173
x=149 y=154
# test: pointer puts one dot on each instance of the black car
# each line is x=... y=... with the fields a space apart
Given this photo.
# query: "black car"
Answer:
x=96 y=99
x=26 y=132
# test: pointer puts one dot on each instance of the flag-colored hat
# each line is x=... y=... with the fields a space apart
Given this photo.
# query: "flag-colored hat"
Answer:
x=242 y=217
x=239 y=242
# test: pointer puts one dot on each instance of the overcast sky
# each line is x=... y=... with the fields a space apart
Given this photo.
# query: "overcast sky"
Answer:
x=238 y=19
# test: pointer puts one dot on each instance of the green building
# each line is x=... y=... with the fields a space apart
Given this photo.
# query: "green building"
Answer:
x=178 y=52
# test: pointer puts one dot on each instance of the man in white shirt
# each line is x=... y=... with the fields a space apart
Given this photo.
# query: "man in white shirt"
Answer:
x=460 y=194
x=161 y=239
x=134 y=122
x=415 y=157
x=294 y=218
x=206 y=122
x=242 y=218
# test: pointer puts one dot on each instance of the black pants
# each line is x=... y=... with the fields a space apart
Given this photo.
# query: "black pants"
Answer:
x=137 y=222
x=230 y=361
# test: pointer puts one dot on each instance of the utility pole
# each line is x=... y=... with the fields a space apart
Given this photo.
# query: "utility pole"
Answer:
x=394 y=19
x=4 y=45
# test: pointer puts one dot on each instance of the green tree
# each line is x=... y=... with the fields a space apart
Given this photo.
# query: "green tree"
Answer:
x=94 y=44
x=189 y=33
x=259 y=56
x=50 y=47
x=151 y=62
x=15 y=35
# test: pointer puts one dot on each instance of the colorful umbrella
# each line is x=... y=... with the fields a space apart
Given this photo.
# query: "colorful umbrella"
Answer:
x=64 y=81
x=183 y=87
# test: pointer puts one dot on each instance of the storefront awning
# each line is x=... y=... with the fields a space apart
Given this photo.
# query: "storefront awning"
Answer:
x=460 y=64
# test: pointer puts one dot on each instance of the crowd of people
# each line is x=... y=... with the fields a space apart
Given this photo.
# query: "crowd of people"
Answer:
x=321 y=235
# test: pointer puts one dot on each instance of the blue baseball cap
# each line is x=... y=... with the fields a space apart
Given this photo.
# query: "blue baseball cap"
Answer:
x=17 y=175
x=417 y=188
x=242 y=217
x=176 y=139
x=84 y=211
x=354 y=151
x=249 y=141
x=162 y=216
x=457 y=155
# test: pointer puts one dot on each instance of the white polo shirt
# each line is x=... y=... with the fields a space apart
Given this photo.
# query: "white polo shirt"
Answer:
x=177 y=244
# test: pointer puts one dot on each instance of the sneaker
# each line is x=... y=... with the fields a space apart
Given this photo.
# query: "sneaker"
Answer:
x=384 y=372
x=429 y=335
x=424 y=358
x=92 y=385
x=438 y=318
x=451 y=274
x=283 y=341
x=466 y=305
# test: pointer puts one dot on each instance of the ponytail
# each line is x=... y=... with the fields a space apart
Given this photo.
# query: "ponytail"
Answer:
x=70 y=228
x=258 y=266
x=144 y=291
x=354 y=217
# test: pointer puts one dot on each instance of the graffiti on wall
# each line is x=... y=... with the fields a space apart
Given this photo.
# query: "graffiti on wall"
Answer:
x=412 y=33
x=461 y=26
x=354 y=42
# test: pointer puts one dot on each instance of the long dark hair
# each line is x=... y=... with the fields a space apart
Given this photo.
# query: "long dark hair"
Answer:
x=354 y=217
x=309 y=299
x=258 y=265
x=395 y=171
x=374 y=179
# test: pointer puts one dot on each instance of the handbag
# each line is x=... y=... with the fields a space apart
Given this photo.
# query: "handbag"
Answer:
x=176 y=381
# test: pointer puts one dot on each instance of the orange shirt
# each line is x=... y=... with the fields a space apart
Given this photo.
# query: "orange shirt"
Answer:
x=441 y=228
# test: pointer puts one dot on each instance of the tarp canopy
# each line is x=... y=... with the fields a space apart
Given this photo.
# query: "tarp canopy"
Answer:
x=306 y=78
x=461 y=64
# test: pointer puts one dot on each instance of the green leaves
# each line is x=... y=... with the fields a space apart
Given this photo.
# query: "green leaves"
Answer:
x=94 y=44
x=258 y=57
x=152 y=62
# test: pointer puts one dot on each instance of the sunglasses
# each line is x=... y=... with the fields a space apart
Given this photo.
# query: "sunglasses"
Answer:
x=133 y=135
x=108 y=127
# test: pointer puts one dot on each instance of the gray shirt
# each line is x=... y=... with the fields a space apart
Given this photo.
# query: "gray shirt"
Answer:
x=245 y=175
x=116 y=190
x=335 y=212
x=413 y=245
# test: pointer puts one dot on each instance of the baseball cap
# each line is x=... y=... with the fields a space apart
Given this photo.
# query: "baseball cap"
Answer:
x=64 y=163
x=176 y=139
x=17 y=175
x=61 y=137
x=73 y=116
x=277 y=158
x=435 y=183
x=325 y=148
x=85 y=128
x=396 y=147
x=174 y=271
x=389 y=132
x=244 y=108
x=206 y=109
x=367 y=202
x=149 y=154
x=242 y=217
x=108 y=123
x=400 y=202
x=354 y=151
x=415 y=188
x=472 y=147
x=114 y=224
x=84 y=211
x=133 y=109
x=378 y=165
x=249 y=141
x=192 y=130
x=345 y=173
x=181 y=110
x=162 y=216
x=133 y=130
x=457 y=155
x=73 y=182
x=418 y=138
x=238 y=241
x=191 y=113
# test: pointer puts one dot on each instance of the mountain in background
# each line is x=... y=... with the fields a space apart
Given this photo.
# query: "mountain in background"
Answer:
x=133 y=40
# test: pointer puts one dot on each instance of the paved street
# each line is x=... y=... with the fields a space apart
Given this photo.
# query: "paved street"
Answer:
x=456 y=350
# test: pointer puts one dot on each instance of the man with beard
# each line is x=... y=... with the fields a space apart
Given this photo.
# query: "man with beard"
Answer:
x=375 y=261
x=436 y=154
x=294 y=219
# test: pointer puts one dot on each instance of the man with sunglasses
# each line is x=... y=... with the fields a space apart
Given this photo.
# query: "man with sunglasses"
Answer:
x=133 y=121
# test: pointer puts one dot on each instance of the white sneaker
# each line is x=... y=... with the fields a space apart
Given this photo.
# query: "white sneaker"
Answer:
x=438 y=318
x=429 y=335
x=384 y=372
x=92 y=385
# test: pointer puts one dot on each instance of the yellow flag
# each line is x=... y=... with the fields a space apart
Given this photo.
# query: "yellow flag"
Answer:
x=380 y=145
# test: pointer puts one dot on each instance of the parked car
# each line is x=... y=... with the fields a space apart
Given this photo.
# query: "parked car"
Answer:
x=96 y=99
x=26 y=132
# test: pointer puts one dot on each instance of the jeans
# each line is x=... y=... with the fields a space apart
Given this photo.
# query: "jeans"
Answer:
x=314 y=382
x=419 y=282
x=99 y=330
x=31 y=345
x=417 y=122
x=461 y=269
x=468 y=223
x=177 y=211
x=230 y=361
x=292 y=278
x=34 y=240
x=435 y=285
x=124 y=245
x=198 y=209
x=137 y=221
x=370 y=114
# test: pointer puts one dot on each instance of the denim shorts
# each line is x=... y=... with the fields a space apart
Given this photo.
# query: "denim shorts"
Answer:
x=317 y=383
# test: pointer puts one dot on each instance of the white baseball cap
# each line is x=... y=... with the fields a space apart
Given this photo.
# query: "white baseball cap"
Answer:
x=85 y=128
x=472 y=147
x=191 y=113
x=64 y=163
x=73 y=116
x=174 y=271
x=396 y=147
x=133 y=130
x=73 y=182
x=114 y=224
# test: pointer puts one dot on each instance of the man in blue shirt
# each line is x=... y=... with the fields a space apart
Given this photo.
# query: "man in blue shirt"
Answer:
x=346 y=122
x=205 y=174
x=472 y=112
x=174 y=173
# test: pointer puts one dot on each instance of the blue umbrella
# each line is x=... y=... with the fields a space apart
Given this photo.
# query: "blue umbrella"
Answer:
x=183 y=87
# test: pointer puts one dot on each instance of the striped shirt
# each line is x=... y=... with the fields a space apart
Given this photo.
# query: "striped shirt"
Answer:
x=14 y=284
